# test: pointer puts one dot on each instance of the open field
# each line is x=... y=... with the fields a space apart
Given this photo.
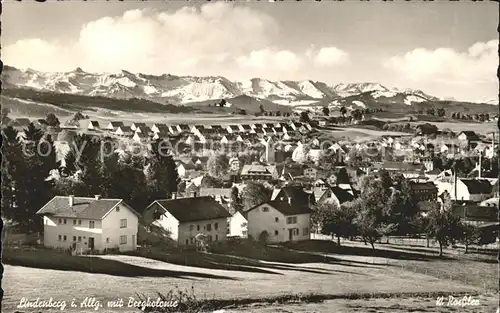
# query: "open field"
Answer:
x=337 y=275
x=487 y=303
x=357 y=134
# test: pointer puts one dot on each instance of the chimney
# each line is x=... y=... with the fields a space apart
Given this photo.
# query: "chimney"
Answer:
x=97 y=197
x=71 y=200
x=174 y=195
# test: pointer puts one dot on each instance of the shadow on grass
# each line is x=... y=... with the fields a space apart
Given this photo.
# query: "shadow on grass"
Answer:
x=325 y=246
x=47 y=259
x=249 y=257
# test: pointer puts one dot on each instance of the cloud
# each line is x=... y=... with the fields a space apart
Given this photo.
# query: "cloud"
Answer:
x=270 y=59
x=331 y=56
x=143 y=40
x=478 y=65
x=217 y=38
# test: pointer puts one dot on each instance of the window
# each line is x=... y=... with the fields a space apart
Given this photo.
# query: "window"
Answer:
x=227 y=231
x=209 y=227
x=118 y=209
x=74 y=238
x=64 y=238
x=216 y=226
x=123 y=223
x=65 y=221
x=291 y=220
x=295 y=232
x=198 y=227
x=123 y=240
x=79 y=222
x=191 y=227
x=305 y=231
x=74 y=222
x=107 y=240
x=276 y=219
x=216 y=237
x=91 y=224
x=187 y=241
x=60 y=221
x=79 y=238
x=276 y=233
x=209 y=238
x=265 y=209
x=59 y=237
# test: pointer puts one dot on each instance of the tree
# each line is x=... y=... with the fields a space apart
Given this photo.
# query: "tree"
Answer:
x=470 y=235
x=343 y=111
x=236 y=201
x=441 y=112
x=326 y=110
x=13 y=173
x=254 y=194
x=372 y=214
x=52 y=120
x=331 y=219
x=222 y=103
x=443 y=226
x=5 y=115
x=357 y=114
x=162 y=173
x=304 y=117
x=34 y=190
x=217 y=165
x=261 y=108
x=342 y=176
x=431 y=111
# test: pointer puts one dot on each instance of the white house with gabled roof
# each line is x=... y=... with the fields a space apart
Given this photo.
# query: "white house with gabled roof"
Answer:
x=89 y=224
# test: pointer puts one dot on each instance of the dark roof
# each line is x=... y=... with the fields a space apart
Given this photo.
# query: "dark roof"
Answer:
x=83 y=207
x=94 y=123
x=116 y=124
x=246 y=127
x=140 y=124
x=285 y=208
x=342 y=194
x=184 y=126
x=470 y=135
x=194 y=209
x=422 y=185
x=126 y=129
x=477 y=186
x=296 y=193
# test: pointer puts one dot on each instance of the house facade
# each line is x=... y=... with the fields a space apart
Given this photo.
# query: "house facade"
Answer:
x=237 y=226
x=89 y=224
x=187 y=218
x=279 y=221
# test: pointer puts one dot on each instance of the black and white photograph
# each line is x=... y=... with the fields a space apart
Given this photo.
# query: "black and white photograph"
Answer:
x=250 y=156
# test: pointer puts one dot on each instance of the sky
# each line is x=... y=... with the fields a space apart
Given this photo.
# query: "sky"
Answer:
x=447 y=49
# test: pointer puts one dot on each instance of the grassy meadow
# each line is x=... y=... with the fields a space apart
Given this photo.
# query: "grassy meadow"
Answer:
x=351 y=271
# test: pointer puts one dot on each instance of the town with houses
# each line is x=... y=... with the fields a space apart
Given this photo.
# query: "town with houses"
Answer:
x=242 y=156
x=289 y=158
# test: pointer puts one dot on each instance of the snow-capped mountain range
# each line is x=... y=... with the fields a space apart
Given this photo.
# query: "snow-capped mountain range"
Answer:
x=177 y=90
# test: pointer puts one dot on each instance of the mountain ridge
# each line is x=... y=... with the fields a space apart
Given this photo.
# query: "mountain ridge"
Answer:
x=186 y=90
